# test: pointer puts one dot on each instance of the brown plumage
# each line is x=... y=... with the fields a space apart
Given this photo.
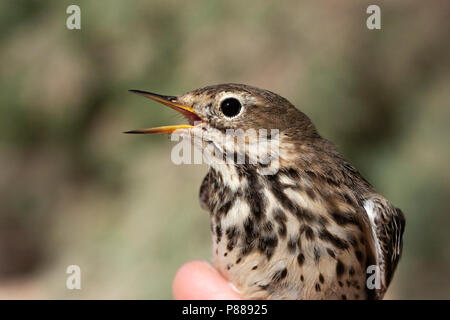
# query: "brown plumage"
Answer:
x=313 y=228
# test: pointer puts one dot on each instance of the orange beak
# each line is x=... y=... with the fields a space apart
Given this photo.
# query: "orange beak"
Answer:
x=189 y=113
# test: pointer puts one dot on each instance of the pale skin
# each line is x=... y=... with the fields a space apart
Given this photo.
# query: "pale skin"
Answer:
x=198 y=280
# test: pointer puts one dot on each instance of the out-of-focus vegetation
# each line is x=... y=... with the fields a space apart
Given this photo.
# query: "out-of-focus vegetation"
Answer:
x=75 y=190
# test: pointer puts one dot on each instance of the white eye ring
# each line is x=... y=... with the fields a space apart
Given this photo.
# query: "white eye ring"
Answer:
x=231 y=106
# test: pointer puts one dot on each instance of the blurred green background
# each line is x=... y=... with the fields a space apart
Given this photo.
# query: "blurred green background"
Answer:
x=75 y=190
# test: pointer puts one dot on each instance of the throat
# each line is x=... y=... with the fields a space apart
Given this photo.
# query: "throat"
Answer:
x=230 y=176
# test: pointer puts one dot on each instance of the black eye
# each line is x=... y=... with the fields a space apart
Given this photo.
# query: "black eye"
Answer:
x=230 y=107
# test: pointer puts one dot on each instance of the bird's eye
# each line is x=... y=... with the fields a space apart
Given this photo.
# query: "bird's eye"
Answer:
x=230 y=107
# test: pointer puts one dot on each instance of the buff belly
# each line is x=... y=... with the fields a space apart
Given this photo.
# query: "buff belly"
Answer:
x=286 y=276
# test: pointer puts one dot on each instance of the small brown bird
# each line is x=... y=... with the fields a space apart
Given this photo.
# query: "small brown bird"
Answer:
x=313 y=228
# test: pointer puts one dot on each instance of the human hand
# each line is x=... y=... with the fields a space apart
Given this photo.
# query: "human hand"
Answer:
x=198 y=280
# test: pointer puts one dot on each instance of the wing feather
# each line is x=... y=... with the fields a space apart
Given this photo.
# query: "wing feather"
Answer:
x=387 y=225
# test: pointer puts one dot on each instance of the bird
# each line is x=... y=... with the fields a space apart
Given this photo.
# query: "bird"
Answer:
x=313 y=228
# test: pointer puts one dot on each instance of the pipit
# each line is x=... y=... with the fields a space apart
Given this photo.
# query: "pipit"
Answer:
x=314 y=228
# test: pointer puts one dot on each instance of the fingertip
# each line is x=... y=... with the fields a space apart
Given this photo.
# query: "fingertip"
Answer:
x=182 y=282
x=198 y=280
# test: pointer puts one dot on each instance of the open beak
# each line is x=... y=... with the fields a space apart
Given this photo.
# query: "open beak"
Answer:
x=189 y=113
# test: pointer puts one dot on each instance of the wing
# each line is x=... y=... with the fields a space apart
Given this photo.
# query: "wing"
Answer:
x=387 y=225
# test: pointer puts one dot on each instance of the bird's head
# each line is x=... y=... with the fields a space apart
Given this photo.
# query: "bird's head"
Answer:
x=217 y=110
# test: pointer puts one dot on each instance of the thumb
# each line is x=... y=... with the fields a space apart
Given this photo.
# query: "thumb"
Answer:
x=198 y=280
